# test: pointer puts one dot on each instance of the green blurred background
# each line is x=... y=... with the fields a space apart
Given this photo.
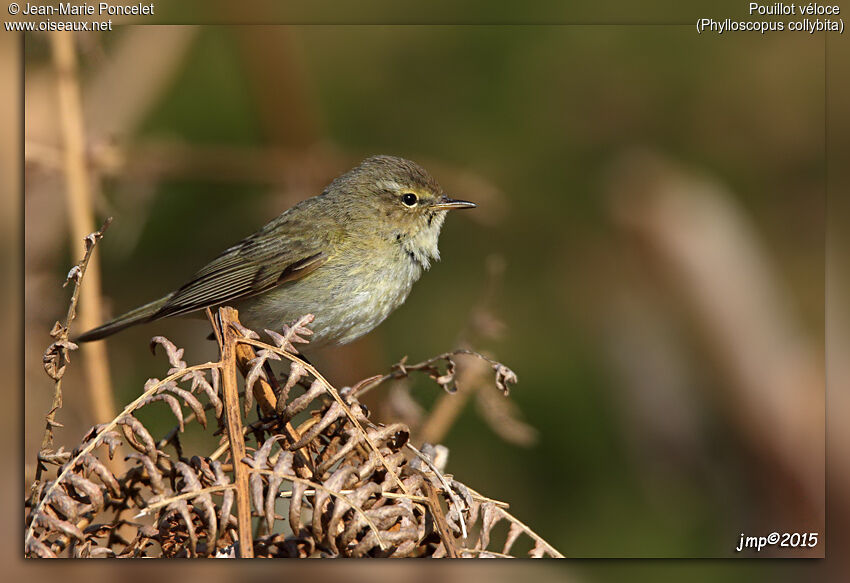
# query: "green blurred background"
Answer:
x=642 y=447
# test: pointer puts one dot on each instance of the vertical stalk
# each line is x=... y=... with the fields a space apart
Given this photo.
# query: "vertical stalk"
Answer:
x=81 y=218
x=233 y=416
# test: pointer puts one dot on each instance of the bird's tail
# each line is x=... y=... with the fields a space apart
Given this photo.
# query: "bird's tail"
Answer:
x=140 y=315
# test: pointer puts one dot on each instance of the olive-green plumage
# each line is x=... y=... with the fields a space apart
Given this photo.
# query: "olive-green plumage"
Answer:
x=348 y=256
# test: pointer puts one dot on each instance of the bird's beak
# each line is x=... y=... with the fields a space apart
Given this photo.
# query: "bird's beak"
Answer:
x=445 y=203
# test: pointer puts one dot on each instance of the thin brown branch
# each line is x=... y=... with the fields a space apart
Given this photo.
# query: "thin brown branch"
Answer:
x=401 y=370
x=56 y=356
x=262 y=389
x=449 y=406
x=233 y=416
x=440 y=522
x=264 y=394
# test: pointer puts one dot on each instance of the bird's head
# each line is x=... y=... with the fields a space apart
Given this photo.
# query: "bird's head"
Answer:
x=396 y=200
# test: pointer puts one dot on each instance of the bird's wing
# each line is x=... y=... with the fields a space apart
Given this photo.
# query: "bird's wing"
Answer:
x=257 y=264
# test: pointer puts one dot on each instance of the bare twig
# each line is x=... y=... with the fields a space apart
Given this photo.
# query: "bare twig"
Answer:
x=449 y=406
x=56 y=356
x=263 y=393
x=234 y=432
x=440 y=522
x=402 y=370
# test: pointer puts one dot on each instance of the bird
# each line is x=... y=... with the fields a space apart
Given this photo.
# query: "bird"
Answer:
x=349 y=256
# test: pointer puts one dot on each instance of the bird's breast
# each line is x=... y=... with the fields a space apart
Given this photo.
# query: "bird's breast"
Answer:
x=349 y=295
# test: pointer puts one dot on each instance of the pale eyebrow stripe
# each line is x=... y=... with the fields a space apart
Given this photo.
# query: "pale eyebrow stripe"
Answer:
x=389 y=185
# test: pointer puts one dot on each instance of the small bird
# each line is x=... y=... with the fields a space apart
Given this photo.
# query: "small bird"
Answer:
x=349 y=256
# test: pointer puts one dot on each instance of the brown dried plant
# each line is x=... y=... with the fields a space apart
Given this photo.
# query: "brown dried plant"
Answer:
x=311 y=474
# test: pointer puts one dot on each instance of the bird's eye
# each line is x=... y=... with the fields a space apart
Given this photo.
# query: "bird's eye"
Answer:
x=409 y=199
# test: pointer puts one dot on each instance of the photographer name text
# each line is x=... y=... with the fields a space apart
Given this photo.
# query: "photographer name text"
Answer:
x=99 y=9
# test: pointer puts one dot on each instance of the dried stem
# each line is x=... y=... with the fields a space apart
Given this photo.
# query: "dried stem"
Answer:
x=401 y=370
x=81 y=216
x=262 y=389
x=264 y=392
x=449 y=406
x=440 y=522
x=184 y=496
x=58 y=359
x=233 y=416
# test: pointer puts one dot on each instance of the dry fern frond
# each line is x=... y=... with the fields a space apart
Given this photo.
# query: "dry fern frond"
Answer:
x=312 y=475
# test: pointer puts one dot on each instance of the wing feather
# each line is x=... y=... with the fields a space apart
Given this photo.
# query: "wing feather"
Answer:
x=257 y=264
